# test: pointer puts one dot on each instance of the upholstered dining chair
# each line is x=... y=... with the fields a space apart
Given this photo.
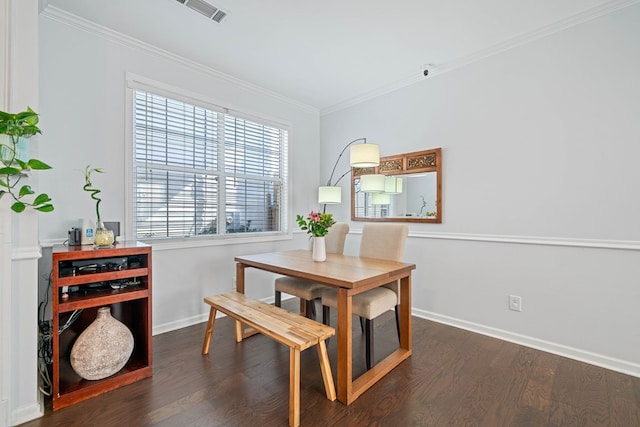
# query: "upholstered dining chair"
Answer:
x=381 y=241
x=306 y=290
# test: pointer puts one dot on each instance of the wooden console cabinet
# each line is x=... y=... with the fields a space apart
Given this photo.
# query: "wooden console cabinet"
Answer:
x=86 y=279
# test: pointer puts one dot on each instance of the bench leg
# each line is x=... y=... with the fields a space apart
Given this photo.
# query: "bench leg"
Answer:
x=239 y=331
x=209 y=331
x=294 y=387
x=325 y=367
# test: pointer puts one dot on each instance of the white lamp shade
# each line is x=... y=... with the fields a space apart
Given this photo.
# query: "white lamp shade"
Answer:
x=364 y=155
x=372 y=183
x=393 y=185
x=329 y=195
x=380 y=199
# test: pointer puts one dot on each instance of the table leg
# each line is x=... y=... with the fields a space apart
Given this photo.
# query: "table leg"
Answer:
x=345 y=344
x=405 y=313
x=240 y=332
x=240 y=277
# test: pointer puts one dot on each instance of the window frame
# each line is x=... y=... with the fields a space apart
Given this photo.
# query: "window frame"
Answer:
x=135 y=82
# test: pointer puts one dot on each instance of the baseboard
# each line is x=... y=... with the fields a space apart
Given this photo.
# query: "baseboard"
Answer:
x=27 y=413
x=194 y=320
x=179 y=324
x=618 y=365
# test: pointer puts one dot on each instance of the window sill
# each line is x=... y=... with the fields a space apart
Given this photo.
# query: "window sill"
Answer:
x=200 y=242
x=194 y=242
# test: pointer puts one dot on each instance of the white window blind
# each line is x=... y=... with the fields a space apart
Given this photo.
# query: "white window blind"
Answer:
x=201 y=172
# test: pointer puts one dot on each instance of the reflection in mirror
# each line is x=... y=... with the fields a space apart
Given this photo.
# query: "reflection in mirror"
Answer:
x=412 y=190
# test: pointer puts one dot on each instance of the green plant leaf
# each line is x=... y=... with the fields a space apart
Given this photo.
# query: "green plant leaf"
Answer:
x=42 y=198
x=24 y=190
x=10 y=171
x=18 y=207
x=37 y=164
x=2 y=193
x=44 y=208
x=3 y=183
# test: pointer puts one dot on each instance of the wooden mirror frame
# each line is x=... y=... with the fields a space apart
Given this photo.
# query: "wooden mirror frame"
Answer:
x=404 y=164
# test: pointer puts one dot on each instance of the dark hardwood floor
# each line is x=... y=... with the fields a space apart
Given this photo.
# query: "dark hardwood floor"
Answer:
x=454 y=378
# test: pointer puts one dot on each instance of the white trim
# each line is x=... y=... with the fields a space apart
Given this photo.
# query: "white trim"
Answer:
x=533 y=240
x=618 y=365
x=481 y=54
x=5 y=42
x=6 y=297
x=194 y=242
x=64 y=17
x=194 y=320
x=179 y=324
x=631 y=245
x=136 y=81
x=26 y=253
x=29 y=412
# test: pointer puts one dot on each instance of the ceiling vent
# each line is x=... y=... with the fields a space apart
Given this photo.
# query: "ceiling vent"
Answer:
x=206 y=9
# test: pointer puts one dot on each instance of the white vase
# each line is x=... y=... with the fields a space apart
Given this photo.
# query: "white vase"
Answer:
x=319 y=253
x=103 y=348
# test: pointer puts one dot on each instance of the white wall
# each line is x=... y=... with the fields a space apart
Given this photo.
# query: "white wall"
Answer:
x=82 y=83
x=540 y=189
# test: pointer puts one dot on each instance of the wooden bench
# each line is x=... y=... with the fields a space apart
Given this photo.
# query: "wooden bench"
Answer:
x=296 y=332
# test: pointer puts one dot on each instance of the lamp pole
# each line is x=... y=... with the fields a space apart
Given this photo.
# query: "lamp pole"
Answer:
x=333 y=171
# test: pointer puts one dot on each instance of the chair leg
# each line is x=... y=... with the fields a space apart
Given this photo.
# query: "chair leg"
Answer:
x=326 y=311
x=398 y=321
x=368 y=326
x=278 y=299
x=310 y=310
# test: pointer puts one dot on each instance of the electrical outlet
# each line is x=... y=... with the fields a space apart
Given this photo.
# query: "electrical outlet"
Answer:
x=515 y=303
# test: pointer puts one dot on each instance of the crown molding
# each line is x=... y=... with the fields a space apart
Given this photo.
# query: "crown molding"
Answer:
x=59 y=15
x=489 y=51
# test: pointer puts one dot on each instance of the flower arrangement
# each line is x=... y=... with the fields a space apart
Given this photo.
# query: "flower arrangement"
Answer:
x=317 y=224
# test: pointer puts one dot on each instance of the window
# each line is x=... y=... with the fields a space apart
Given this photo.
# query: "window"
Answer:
x=202 y=171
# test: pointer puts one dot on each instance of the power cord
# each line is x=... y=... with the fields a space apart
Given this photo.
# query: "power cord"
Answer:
x=45 y=350
x=45 y=341
x=74 y=316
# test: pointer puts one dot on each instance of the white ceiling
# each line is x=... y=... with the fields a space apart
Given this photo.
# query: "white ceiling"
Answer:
x=329 y=53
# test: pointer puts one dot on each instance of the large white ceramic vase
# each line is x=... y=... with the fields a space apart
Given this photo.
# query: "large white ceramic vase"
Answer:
x=319 y=252
x=103 y=348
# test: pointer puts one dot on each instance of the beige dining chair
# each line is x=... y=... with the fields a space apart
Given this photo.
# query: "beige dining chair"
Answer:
x=306 y=290
x=380 y=241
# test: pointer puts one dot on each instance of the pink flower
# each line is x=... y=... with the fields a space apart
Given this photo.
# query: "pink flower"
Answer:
x=316 y=224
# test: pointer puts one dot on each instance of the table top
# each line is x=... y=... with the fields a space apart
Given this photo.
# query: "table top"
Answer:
x=338 y=270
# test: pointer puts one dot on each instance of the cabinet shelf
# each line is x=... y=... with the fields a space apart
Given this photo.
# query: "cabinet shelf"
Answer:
x=101 y=299
x=102 y=276
x=74 y=289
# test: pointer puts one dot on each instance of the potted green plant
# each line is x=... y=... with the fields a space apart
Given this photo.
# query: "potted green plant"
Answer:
x=103 y=237
x=15 y=130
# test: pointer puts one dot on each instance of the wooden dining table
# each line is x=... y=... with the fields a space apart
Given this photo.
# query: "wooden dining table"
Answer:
x=351 y=275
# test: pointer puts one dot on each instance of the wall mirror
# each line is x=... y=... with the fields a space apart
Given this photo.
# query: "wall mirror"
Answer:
x=412 y=189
